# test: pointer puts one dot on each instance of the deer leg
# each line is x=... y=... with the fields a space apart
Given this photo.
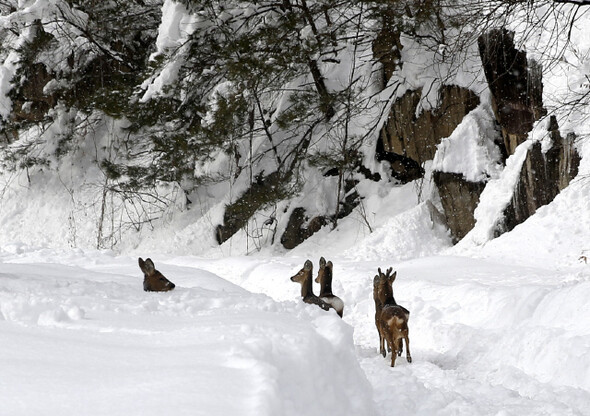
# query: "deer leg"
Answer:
x=378 y=329
x=389 y=346
x=382 y=342
x=407 y=338
x=392 y=343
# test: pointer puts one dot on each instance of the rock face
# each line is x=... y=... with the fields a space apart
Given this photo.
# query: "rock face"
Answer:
x=459 y=198
x=417 y=137
x=516 y=86
x=542 y=177
x=296 y=232
x=407 y=140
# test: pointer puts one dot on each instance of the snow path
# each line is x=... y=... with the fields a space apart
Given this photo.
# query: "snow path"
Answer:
x=486 y=338
x=79 y=336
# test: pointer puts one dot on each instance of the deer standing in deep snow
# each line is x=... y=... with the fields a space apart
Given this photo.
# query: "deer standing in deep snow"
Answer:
x=324 y=278
x=153 y=280
x=391 y=319
x=304 y=278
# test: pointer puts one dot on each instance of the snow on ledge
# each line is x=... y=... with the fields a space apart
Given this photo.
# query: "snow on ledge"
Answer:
x=470 y=150
x=495 y=198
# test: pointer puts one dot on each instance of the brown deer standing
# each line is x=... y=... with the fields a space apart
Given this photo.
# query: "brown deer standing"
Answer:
x=324 y=278
x=153 y=280
x=391 y=319
x=304 y=278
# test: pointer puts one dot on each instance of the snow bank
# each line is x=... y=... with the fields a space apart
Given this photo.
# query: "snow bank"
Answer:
x=416 y=233
x=207 y=348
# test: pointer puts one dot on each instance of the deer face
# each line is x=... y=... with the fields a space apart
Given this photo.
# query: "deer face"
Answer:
x=303 y=274
x=322 y=271
x=153 y=280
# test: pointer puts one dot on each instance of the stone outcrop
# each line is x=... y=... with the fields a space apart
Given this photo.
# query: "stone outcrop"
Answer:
x=516 y=86
x=459 y=198
x=411 y=140
x=542 y=177
x=297 y=231
x=238 y=213
x=417 y=137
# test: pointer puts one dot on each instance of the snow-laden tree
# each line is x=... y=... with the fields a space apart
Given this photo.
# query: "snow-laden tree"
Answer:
x=182 y=95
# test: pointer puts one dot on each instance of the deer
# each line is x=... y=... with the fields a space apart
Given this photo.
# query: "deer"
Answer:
x=324 y=278
x=153 y=280
x=391 y=319
x=304 y=278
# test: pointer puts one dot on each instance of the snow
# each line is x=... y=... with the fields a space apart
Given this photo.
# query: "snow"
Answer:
x=470 y=150
x=487 y=336
x=498 y=326
x=498 y=329
x=94 y=343
x=495 y=198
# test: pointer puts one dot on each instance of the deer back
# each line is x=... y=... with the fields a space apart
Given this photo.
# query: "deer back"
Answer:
x=153 y=280
x=391 y=319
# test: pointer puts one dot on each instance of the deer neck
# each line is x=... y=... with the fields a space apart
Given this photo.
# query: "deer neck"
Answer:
x=387 y=298
x=306 y=287
x=326 y=287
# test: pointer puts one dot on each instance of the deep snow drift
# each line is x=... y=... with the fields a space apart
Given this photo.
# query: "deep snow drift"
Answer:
x=81 y=337
x=497 y=327
x=501 y=329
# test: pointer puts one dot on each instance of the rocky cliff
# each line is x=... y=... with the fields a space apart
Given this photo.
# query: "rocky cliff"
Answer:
x=516 y=88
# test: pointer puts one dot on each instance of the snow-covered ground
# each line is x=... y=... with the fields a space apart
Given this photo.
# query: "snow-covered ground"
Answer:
x=502 y=329
x=497 y=327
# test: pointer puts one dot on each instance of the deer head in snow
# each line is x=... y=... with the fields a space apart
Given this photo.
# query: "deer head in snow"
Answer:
x=153 y=280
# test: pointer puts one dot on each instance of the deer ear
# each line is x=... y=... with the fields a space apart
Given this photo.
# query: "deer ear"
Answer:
x=308 y=265
x=375 y=280
x=148 y=267
x=141 y=264
x=322 y=262
x=379 y=270
x=393 y=276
